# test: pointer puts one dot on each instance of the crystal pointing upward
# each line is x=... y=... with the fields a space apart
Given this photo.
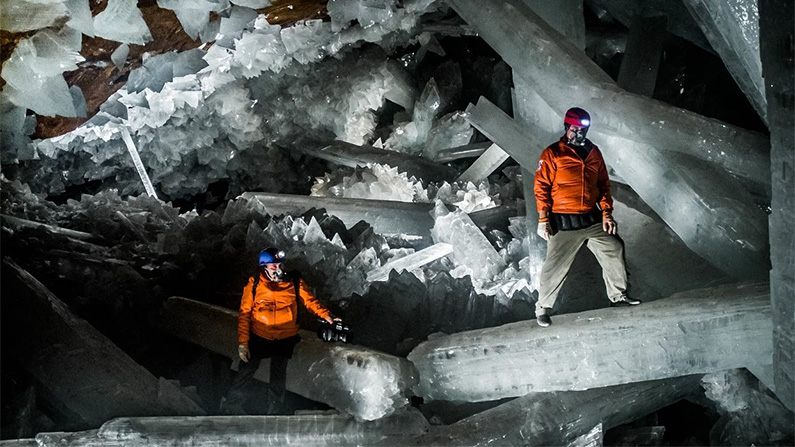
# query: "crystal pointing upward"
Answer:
x=694 y=332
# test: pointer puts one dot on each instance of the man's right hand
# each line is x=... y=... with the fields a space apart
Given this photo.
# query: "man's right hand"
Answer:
x=543 y=230
x=243 y=353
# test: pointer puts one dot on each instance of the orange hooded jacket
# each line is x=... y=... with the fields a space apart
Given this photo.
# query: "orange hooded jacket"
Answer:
x=273 y=312
x=566 y=184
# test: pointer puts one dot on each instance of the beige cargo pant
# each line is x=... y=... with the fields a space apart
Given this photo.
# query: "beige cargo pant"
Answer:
x=561 y=251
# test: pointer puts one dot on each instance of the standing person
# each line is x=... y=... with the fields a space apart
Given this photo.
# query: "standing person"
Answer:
x=267 y=327
x=574 y=205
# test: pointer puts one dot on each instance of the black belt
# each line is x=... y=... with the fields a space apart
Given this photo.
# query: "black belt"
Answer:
x=570 y=222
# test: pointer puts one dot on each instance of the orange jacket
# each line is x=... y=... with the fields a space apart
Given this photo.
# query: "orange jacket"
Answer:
x=273 y=313
x=566 y=184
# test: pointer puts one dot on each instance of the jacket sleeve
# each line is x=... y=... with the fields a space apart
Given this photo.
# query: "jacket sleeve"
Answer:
x=544 y=177
x=313 y=304
x=244 y=316
x=603 y=183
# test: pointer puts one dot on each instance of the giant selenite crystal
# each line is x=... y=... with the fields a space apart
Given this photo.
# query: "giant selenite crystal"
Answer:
x=693 y=332
x=558 y=418
x=732 y=27
x=80 y=368
x=777 y=29
x=359 y=381
x=638 y=136
x=309 y=430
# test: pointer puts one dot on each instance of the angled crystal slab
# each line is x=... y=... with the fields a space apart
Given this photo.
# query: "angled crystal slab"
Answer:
x=517 y=139
x=309 y=429
x=641 y=62
x=359 y=381
x=732 y=28
x=523 y=39
x=385 y=216
x=347 y=154
x=485 y=165
x=689 y=333
x=559 y=418
x=565 y=16
x=17 y=222
x=410 y=262
x=87 y=374
x=639 y=137
x=466 y=151
x=680 y=22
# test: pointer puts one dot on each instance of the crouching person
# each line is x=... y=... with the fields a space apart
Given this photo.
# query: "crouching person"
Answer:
x=267 y=327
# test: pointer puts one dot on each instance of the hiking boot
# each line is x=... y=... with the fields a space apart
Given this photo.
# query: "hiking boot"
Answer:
x=543 y=320
x=625 y=301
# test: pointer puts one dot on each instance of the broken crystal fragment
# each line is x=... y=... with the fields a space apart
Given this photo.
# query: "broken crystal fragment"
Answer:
x=119 y=55
x=692 y=332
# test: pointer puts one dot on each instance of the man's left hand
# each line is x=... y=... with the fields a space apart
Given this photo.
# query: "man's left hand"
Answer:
x=609 y=225
x=331 y=320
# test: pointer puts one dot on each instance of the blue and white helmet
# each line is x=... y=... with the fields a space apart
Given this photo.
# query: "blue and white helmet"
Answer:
x=271 y=256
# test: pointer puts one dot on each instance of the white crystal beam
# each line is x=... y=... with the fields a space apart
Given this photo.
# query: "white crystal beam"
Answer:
x=347 y=154
x=466 y=151
x=641 y=62
x=558 y=418
x=308 y=430
x=410 y=262
x=732 y=28
x=79 y=367
x=569 y=78
x=485 y=165
x=689 y=333
x=139 y=165
x=359 y=381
